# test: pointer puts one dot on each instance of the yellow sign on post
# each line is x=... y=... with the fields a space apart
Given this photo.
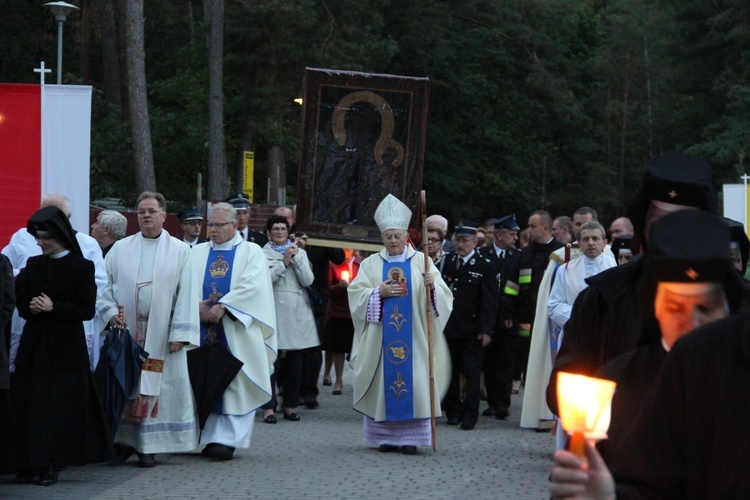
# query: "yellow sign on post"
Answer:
x=248 y=165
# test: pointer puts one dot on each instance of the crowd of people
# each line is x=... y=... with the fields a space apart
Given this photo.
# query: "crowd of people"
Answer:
x=429 y=328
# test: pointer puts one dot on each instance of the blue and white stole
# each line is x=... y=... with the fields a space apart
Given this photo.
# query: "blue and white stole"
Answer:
x=216 y=283
x=397 y=345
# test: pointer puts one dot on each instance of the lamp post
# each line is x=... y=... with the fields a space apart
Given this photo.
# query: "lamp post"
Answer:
x=61 y=11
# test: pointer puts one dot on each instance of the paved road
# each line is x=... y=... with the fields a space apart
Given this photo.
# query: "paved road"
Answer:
x=324 y=457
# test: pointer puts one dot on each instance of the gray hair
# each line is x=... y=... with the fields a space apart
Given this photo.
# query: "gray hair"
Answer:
x=592 y=224
x=226 y=208
x=439 y=221
x=115 y=221
x=58 y=200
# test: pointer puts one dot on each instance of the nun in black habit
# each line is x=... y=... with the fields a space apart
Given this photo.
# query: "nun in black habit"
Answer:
x=60 y=419
x=687 y=282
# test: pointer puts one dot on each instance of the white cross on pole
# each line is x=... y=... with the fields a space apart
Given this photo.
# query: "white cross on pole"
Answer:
x=42 y=71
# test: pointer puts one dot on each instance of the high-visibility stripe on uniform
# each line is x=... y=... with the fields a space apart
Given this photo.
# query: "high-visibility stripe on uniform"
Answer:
x=524 y=332
x=511 y=289
x=524 y=277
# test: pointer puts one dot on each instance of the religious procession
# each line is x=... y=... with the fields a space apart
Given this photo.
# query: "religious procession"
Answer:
x=543 y=294
x=148 y=344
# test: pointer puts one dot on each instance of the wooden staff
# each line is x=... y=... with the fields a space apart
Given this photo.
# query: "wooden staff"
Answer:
x=429 y=323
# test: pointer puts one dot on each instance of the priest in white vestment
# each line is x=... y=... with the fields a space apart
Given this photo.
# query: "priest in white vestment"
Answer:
x=389 y=354
x=149 y=275
x=570 y=280
x=570 y=277
x=547 y=335
x=233 y=289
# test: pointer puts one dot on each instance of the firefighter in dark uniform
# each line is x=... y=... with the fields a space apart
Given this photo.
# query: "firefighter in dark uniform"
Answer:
x=471 y=277
x=522 y=288
x=191 y=220
x=241 y=203
x=500 y=356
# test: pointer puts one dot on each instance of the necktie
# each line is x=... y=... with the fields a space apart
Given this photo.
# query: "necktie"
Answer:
x=459 y=264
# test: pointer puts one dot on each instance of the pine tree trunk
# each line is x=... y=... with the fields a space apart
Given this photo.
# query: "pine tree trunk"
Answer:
x=111 y=68
x=140 y=127
x=218 y=181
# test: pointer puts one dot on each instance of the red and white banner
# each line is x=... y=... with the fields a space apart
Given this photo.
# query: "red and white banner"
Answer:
x=45 y=147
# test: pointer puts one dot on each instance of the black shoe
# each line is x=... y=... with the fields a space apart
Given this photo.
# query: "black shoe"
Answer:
x=452 y=421
x=146 y=460
x=270 y=419
x=210 y=450
x=337 y=392
x=409 y=450
x=489 y=412
x=387 y=448
x=327 y=382
x=467 y=426
x=222 y=452
x=291 y=416
x=501 y=414
x=122 y=453
x=48 y=476
x=25 y=477
x=311 y=402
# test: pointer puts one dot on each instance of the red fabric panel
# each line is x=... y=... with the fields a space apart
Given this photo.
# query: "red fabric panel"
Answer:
x=20 y=155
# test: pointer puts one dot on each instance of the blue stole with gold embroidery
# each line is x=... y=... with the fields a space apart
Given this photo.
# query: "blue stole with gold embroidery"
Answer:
x=397 y=345
x=216 y=283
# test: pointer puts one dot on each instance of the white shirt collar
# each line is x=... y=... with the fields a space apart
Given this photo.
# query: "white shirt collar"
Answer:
x=397 y=258
x=466 y=259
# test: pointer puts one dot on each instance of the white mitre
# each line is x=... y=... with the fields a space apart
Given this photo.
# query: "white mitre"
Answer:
x=392 y=214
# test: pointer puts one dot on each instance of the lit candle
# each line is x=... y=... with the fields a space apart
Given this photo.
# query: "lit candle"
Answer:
x=344 y=275
x=585 y=405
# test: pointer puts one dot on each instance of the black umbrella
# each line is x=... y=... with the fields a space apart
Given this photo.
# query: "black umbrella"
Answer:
x=117 y=373
x=211 y=368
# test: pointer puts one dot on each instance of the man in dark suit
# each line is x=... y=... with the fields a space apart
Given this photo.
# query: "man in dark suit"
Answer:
x=191 y=220
x=500 y=355
x=471 y=277
x=241 y=203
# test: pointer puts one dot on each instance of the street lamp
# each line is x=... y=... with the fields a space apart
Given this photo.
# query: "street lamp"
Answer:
x=61 y=11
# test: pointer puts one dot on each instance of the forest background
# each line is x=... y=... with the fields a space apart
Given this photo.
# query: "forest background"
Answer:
x=534 y=104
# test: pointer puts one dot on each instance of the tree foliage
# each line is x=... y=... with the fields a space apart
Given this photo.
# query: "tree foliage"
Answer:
x=534 y=103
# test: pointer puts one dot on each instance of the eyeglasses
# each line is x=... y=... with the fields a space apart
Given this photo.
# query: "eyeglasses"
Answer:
x=141 y=213
x=216 y=225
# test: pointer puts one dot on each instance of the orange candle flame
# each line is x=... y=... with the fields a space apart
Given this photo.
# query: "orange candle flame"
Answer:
x=585 y=405
x=344 y=275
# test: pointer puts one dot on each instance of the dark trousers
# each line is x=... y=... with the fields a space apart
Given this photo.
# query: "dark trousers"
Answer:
x=522 y=360
x=466 y=358
x=312 y=363
x=288 y=367
x=273 y=403
x=499 y=361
